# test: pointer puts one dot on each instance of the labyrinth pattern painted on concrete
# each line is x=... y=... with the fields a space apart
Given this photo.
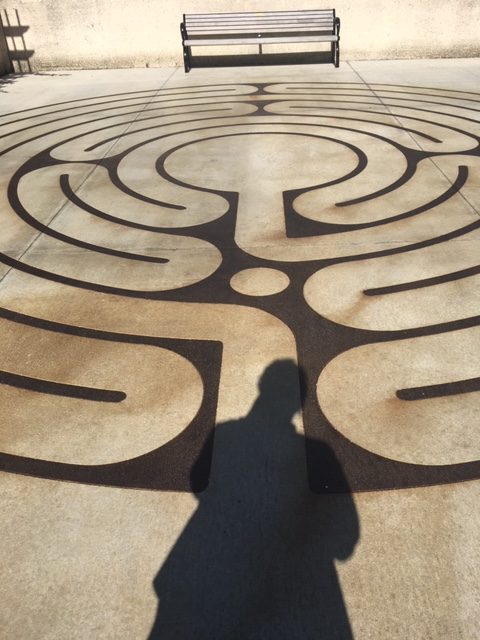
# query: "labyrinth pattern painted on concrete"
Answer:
x=150 y=237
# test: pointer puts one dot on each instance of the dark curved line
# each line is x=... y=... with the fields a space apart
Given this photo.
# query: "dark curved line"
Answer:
x=405 y=177
x=439 y=113
x=390 y=113
x=244 y=101
x=362 y=158
x=57 y=104
x=376 y=94
x=33 y=222
x=70 y=116
x=368 y=111
x=380 y=100
x=403 y=116
x=15 y=316
x=420 y=284
x=110 y=126
x=118 y=183
x=373 y=88
x=112 y=95
x=457 y=233
x=81 y=284
x=68 y=329
x=144 y=294
x=243 y=124
x=273 y=115
x=117 y=115
x=382 y=124
x=115 y=180
x=443 y=104
x=411 y=86
x=94 y=334
x=434 y=329
x=76 y=200
x=467 y=134
x=430 y=95
x=60 y=389
x=439 y=390
x=425 y=243
x=154 y=295
x=460 y=180
x=203 y=88
x=378 y=84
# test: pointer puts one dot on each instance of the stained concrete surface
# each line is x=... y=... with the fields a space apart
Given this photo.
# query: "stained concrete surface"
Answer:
x=173 y=248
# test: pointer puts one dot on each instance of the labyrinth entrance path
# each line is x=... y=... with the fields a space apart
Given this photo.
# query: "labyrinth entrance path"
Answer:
x=240 y=352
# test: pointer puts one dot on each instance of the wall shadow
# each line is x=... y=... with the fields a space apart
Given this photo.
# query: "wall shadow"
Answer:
x=256 y=560
x=14 y=32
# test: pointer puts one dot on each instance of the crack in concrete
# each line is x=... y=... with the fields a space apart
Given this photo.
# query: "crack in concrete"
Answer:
x=61 y=208
x=397 y=119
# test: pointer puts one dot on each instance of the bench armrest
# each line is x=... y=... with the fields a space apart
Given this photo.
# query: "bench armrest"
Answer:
x=337 y=27
x=183 y=31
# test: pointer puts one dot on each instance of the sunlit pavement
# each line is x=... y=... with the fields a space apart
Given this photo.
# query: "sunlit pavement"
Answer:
x=240 y=352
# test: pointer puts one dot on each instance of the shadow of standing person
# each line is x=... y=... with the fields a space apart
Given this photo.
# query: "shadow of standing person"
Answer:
x=256 y=560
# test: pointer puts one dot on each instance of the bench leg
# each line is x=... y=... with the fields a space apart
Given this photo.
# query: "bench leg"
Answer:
x=186 y=59
x=336 y=47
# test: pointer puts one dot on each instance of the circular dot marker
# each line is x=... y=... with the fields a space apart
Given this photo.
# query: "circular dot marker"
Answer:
x=259 y=282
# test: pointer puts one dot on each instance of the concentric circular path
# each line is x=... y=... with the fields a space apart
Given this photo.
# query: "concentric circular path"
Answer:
x=160 y=248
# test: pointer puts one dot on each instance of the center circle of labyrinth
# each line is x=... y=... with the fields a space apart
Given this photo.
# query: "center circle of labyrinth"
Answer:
x=264 y=161
x=169 y=217
x=259 y=282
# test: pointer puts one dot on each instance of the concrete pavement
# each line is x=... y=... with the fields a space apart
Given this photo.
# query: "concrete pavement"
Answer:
x=240 y=352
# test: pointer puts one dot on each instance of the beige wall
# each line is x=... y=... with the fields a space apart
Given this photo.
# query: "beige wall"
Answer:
x=139 y=33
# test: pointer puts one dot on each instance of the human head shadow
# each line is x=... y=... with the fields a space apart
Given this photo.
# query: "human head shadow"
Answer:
x=256 y=560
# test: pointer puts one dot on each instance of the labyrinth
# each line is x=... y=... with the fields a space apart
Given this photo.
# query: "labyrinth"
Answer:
x=160 y=249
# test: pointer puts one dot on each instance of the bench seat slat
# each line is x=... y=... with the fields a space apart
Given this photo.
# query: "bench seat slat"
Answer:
x=261 y=29
x=262 y=40
x=226 y=23
x=259 y=19
x=288 y=26
x=251 y=23
x=257 y=26
x=279 y=26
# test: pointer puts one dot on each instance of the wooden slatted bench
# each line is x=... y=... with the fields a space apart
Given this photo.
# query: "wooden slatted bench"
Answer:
x=269 y=27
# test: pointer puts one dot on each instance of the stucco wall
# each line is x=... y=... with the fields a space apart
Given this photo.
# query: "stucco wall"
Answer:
x=138 y=33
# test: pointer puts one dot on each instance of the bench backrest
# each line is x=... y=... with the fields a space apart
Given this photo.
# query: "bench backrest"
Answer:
x=200 y=24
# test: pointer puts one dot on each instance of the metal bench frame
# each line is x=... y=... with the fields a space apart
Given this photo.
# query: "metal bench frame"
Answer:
x=269 y=27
